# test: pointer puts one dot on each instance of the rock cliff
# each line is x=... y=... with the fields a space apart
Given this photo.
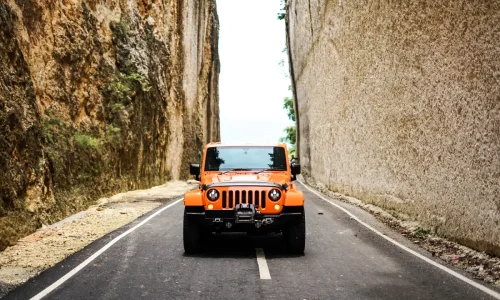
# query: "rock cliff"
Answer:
x=99 y=97
x=398 y=104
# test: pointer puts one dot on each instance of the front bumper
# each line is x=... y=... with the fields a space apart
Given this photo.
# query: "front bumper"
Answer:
x=244 y=219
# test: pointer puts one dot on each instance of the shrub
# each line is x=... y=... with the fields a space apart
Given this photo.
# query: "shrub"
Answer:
x=86 y=141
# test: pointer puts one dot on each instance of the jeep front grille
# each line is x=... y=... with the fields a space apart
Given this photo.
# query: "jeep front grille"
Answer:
x=231 y=198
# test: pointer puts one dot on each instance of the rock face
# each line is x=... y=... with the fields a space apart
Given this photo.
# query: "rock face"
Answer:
x=399 y=105
x=99 y=97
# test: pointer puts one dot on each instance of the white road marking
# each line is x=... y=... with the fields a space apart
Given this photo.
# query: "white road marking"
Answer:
x=71 y=273
x=426 y=259
x=261 y=261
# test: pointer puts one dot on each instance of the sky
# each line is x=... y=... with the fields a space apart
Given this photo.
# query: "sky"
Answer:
x=252 y=84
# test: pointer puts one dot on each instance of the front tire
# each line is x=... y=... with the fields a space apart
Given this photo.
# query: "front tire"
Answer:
x=192 y=236
x=295 y=235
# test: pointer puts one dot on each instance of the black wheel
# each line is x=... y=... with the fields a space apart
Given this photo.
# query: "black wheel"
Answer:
x=295 y=235
x=192 y=236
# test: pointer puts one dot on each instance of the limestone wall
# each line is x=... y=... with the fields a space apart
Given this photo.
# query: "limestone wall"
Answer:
x=98 y=97
x=399 y=104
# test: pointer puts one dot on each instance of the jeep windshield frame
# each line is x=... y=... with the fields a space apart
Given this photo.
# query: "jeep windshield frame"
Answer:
x=251 y=158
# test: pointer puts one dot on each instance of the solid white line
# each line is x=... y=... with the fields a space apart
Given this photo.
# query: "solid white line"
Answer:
x=261 y=261
x=71 y=273
x=426 y=259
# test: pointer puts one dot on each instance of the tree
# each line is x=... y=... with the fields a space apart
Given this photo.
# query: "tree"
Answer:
x=290 y=131
x=288 y=105
x=290 y=138
x=282 y=13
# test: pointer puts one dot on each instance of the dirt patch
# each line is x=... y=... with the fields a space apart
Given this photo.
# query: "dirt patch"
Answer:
x=481 y=265
x=51 y=244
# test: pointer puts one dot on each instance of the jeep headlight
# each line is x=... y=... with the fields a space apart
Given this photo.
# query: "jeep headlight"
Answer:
x=212 y=195
x=274 y=195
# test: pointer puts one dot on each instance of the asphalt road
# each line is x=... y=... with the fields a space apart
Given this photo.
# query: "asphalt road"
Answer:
x=343 y=260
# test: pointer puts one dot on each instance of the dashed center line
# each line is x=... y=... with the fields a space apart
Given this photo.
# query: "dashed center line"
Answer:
x=261 y=261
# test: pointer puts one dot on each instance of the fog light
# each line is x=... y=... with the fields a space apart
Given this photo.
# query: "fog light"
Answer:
x=277 y=207
x=210 y=206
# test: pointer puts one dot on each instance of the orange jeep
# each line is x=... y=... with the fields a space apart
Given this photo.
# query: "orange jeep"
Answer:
x=244 y=188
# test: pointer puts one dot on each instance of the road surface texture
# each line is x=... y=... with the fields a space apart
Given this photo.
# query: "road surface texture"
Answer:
x=343 y=260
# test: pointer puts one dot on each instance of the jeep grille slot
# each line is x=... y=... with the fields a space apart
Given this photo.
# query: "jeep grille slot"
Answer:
x=256 y=196
x=237 y=196
x=231 y=199
x=224 y=199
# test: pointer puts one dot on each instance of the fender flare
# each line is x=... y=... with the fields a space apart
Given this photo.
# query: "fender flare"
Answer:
x=294 y=198
x=193 y=198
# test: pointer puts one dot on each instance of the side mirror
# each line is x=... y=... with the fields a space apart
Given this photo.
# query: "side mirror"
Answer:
x=295 y=169
x=194 y=169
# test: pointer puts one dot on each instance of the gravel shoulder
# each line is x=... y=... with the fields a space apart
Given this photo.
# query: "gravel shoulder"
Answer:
x=51 y=244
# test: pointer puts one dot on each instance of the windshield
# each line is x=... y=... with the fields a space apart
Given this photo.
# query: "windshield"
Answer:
x=252 y=158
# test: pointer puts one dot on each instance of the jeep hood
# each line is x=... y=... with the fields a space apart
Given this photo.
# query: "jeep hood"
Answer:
x=277 y=178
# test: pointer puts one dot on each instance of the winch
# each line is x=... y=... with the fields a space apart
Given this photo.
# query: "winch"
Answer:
x=244 y=213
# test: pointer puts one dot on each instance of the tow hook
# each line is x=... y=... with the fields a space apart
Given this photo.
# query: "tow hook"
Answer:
x=265 y=221
x=268 y=221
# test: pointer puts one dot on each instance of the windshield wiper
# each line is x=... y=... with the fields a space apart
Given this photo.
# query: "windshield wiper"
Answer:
x=234 y=170
x=266 y=170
